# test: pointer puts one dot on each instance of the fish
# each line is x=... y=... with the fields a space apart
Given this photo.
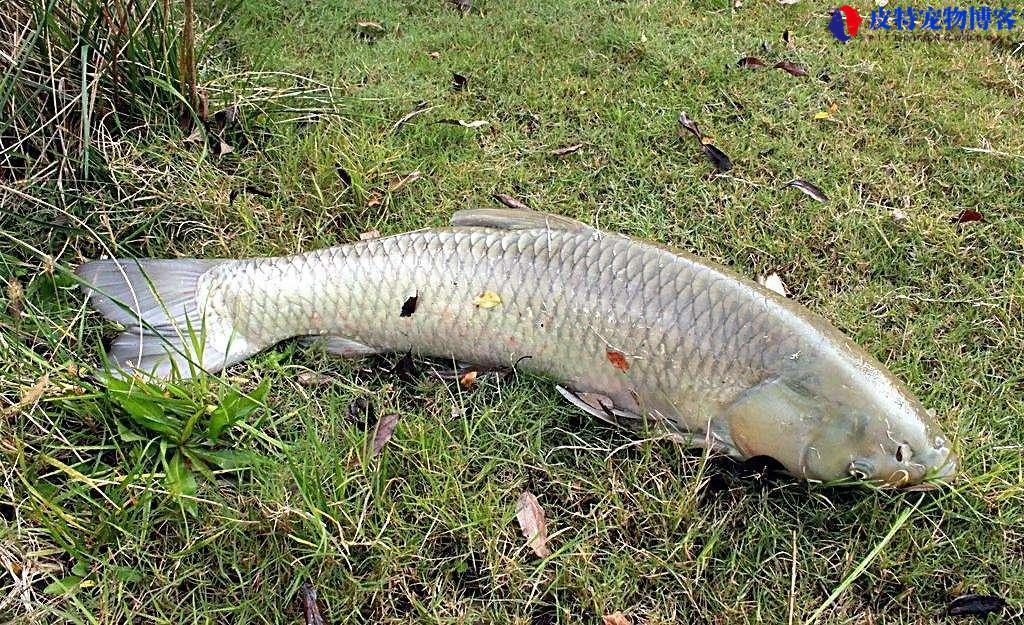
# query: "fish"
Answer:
x=632 y=332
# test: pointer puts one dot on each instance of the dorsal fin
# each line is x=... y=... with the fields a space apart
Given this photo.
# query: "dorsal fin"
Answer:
x=515 y=219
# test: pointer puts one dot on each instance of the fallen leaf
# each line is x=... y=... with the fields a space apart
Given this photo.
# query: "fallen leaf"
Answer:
x=434 y=55
x=792 y=68
x=510 y=201
x=822 y=115
x=459 y=82
x=225 y=117
x=463 y=5
x=476 y=123
x=346 y=178
x=751 y=61
x=310 y=609
x=788 y=39
x=685 y=123
x=487 y=299
x=718 y=157
x=361 y=411
x=468 y=379
x=196 y=136
x=405 y=369
x=531 y=521
x=369 y=235
x=310 y=378
x=898 y=215
x=365 y=25
x=615 y=618
x=808 y=189
x=788 y=1
x=375 y=199
x=409 y=307
x=618 y=359
x=968 y=215
x=382 y=432
x=223 y=148
x=976 y=605
x=773 y=282
x=401 y=181
x=420 y=108
x=566 y=150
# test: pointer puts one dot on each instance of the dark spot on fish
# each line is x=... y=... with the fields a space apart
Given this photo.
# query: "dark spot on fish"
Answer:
x=409 y=307
x=618 y=360
x=976 y=605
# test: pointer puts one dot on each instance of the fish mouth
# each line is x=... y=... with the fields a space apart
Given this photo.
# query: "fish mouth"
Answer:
x=938 y=477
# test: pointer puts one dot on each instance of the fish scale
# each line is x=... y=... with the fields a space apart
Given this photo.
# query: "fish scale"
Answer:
x=633 y=331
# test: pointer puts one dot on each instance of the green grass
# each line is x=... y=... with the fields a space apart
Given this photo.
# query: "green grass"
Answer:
x=426 y=532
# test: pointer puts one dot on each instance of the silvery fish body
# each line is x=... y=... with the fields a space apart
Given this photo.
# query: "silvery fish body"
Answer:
x=633 y=332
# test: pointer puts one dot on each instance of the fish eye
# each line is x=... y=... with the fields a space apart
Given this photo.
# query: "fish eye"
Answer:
x=904 y=453
x=860 y=470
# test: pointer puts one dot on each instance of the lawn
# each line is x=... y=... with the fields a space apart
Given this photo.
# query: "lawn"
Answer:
x=902 y=132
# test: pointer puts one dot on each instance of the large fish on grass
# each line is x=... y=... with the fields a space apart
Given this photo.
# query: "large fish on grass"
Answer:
x=634 y=333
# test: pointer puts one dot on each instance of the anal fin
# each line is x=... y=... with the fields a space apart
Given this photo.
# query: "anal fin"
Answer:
x=339 y=346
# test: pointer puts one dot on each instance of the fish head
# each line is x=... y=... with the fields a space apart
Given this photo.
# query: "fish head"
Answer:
x=831 y=423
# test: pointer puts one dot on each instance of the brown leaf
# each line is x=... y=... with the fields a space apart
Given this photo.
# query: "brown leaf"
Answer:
x=366 y=25
x=196 y=136
x=369 y=235
x=615 y=618
x=401 y=181
x=773 y=282
x=976 y=605
x=409 y=307
x=718 y=157
x=685 y=123
x=346 y=178
x=459 y=82
x=618 y=359
x=382 y=432
x=310 y=608
x=751 y=62
x=792 y=68
x=510 y=201
x=968 y=215
x=310 y=378
x=223 y=148
x=808 y=189
x=468 y=379
x=434 y=55
x=531 y=521
x=560 y=152
x=375 y=199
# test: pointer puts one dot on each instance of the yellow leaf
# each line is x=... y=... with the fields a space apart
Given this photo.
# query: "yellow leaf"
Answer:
x=834 y=108
x=487 y=299
x=822 y=115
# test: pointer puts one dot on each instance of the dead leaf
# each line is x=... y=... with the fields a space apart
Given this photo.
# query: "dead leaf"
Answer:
x=792 y=68
x=468 y=379
x=560 y=152
x=822 y=115
x=976 y=605
x=788 y=1
x=405 y=369
x=615 y=618
x=30 y=395
x=718 y=157
x=487 y=299
x=531 y=521
x=15 y=298
x=510 y=201
x=369 y=235
x=420 y=108
x=618 y=359
x=773 y=282
x=401 y=181
x=366 y=25
x=375 y=199
x=808 y=189
x=409 y=306
x=310 y=608
x=459 y=82
x=463 y=5
x=382 y=432
x=196 y=136
x=346 y=178
x=751 y=62
x=434 y=55
x=310 y=378
x=476 y=123
x=223 y=148
x=898 y=215
x=685 y=123
x=968 y=215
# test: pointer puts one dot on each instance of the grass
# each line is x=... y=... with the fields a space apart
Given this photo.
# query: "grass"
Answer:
x=426 y=532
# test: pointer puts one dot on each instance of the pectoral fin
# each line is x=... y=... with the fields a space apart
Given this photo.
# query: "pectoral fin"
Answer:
x=600 y=406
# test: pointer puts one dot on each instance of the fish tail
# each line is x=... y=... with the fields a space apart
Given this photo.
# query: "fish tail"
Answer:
x=168 y=330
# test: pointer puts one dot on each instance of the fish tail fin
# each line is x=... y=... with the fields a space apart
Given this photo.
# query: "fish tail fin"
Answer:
x=167 y=330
